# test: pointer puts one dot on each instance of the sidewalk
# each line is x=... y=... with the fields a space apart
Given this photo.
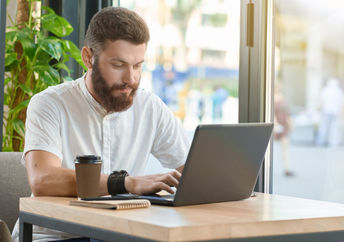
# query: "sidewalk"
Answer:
x=318 y=173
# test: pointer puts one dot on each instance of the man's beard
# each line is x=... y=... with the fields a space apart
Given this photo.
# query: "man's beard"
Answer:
x=111 y=103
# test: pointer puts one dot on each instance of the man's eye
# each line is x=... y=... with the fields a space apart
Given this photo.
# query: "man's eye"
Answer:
x=137 y=66
x=117 y=65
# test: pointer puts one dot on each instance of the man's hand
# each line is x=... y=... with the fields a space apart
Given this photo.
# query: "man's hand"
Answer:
x=152 y=183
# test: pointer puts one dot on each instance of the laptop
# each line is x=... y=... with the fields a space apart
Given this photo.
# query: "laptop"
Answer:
x=222 y=165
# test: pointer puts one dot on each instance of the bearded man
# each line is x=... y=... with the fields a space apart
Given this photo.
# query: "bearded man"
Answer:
x=103 y=113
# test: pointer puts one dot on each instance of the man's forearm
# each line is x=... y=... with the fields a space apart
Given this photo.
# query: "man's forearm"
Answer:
x=53 y=181
x=59 y=181
x=103 y=185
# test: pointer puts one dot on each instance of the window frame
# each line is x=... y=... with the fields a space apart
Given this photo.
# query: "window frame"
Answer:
x=2 y=62
x=256 y=74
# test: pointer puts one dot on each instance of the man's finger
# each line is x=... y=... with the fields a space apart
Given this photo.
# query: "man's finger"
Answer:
x=171 y=180
x=163 y=186
x=176 y=174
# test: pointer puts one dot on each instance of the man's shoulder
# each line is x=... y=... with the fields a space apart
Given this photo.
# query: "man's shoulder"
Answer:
x=148 y=103
x=61 y=88
x=58 y=91
x=54 y=97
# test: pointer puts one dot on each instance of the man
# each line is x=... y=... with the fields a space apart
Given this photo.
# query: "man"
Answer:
x=332 y=101
x=103 y=113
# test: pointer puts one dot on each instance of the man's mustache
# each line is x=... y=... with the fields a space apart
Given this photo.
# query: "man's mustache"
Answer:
x=122 y=86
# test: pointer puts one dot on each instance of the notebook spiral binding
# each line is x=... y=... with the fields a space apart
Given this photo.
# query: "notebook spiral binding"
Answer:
x=140 y=204
x=114 y=204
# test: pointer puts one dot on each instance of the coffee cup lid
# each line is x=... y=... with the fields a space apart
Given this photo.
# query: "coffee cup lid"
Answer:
x=87 y=159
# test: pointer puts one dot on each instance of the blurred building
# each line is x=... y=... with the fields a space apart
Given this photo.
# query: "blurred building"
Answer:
x=194 y=48
x=309 y=51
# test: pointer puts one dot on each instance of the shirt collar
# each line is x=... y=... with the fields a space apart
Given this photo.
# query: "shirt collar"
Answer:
x=93 y=102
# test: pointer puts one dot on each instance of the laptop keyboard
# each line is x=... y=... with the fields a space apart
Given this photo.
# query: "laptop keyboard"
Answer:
x=169 y=197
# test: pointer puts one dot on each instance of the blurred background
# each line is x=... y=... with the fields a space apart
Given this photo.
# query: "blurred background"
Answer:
x=309 y=81
x=192 y=60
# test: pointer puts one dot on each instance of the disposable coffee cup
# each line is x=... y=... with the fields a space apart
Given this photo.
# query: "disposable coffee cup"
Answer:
x=87 y=171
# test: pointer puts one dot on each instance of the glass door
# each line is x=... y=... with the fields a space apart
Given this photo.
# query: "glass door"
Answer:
x=308 y=101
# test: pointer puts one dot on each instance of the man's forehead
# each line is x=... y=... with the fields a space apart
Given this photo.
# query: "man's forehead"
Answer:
x=108 y=44
x=124 y=51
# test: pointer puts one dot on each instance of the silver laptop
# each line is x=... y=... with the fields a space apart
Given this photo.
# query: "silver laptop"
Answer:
x=222 y=165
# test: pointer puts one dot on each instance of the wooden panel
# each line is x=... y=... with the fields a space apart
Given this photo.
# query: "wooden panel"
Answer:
x=262 y=215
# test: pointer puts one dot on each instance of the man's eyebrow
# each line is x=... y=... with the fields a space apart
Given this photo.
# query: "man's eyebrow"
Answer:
x=124 y=62
x=140 y=62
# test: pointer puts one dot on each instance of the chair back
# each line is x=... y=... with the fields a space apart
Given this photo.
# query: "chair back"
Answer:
x=5 y=235
x=13 y=185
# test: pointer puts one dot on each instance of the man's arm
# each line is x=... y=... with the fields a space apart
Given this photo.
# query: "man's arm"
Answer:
x=48 y=178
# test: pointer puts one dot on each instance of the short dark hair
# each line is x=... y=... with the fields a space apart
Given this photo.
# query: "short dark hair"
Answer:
x=115 y=23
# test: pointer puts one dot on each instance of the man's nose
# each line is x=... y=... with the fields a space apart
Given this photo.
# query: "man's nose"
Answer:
x=129 y=76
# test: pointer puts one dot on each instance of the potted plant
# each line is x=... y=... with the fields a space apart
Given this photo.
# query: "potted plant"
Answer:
x=34 y=57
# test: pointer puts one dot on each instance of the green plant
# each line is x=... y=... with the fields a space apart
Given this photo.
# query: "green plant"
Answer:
x=33 y=61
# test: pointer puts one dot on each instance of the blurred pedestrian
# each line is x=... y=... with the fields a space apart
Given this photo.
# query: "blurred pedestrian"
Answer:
x=282 y=127
x=219 y=97
x=331 y=99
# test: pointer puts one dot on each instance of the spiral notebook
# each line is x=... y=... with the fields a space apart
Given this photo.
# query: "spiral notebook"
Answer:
x=113 y=204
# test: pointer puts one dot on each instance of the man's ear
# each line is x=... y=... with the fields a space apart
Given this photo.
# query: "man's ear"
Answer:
x=87 y=57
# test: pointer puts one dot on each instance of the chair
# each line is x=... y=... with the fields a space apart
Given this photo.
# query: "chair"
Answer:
x=5 y=235
x=14 y=184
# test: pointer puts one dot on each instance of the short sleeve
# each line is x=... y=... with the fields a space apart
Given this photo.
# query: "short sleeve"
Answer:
x=171 y=144
x=42 y=126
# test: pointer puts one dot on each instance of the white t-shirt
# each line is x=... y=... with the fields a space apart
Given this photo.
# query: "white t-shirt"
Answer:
x=67 y=121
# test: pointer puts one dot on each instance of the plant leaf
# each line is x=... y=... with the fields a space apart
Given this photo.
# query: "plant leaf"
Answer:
x=62 y=66
x=7 y=80
x=10 y=58
x=42 y=57
x=7 y=99
x=49 y=10
x=26 y=89
x=29 y=47
x=7 y=149
x=52 y=47
x=19 y=107
x=47 y=74
x=74 y=51
x=19 y=127
x=18 y=34
x=11 y=36
x=66 y=57
x=56 y=25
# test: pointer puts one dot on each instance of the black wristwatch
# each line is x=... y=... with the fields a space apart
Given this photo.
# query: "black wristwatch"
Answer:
x=115 y=182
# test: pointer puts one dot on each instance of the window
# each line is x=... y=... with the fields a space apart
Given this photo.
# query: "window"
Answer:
x=192 y=59
x=214 y=20
x=213 y=57
x=309 y=100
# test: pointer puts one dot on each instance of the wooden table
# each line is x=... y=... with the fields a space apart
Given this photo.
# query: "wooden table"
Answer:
x=261 y=218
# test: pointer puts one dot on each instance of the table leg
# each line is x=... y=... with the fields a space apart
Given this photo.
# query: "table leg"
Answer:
x=25 y=231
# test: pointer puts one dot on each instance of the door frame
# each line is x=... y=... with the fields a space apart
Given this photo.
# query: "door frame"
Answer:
x=256 y=73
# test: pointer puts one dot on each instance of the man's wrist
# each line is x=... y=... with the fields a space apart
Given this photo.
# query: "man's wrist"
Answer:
x=128 y=183
x=116 y=182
